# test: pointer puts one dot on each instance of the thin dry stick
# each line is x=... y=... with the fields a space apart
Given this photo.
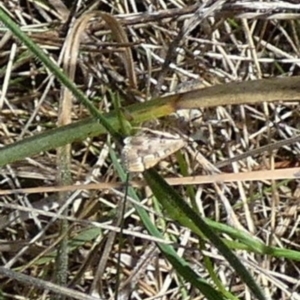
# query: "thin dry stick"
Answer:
x=73 y=42
x=211 y=169
x=87 y=223
x=97 y=282
x=129 y=284
x=196 y=19
x=45 y=285
x=64 y=176
x=288 y=173
x=260 y=150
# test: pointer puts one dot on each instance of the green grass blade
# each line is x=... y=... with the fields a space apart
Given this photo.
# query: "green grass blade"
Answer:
x=180 y=211
x=39 y=53
x=179 y=264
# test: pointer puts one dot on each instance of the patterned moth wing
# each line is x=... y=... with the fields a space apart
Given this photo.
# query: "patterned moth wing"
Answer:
x=146 y=149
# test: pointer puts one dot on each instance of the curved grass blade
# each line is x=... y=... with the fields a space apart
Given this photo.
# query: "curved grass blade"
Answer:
x=38 y=52
x=180 y=265
x=180 y=211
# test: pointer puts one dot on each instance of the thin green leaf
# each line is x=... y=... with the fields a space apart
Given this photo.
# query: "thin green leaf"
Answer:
x=180 y=211
x=180 y=265
x=39 y=53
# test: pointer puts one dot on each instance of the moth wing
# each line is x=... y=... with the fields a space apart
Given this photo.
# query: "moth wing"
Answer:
x=163 y=151
x=145 y=150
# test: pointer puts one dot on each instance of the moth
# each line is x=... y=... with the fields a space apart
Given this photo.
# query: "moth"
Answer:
x=147 y=148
